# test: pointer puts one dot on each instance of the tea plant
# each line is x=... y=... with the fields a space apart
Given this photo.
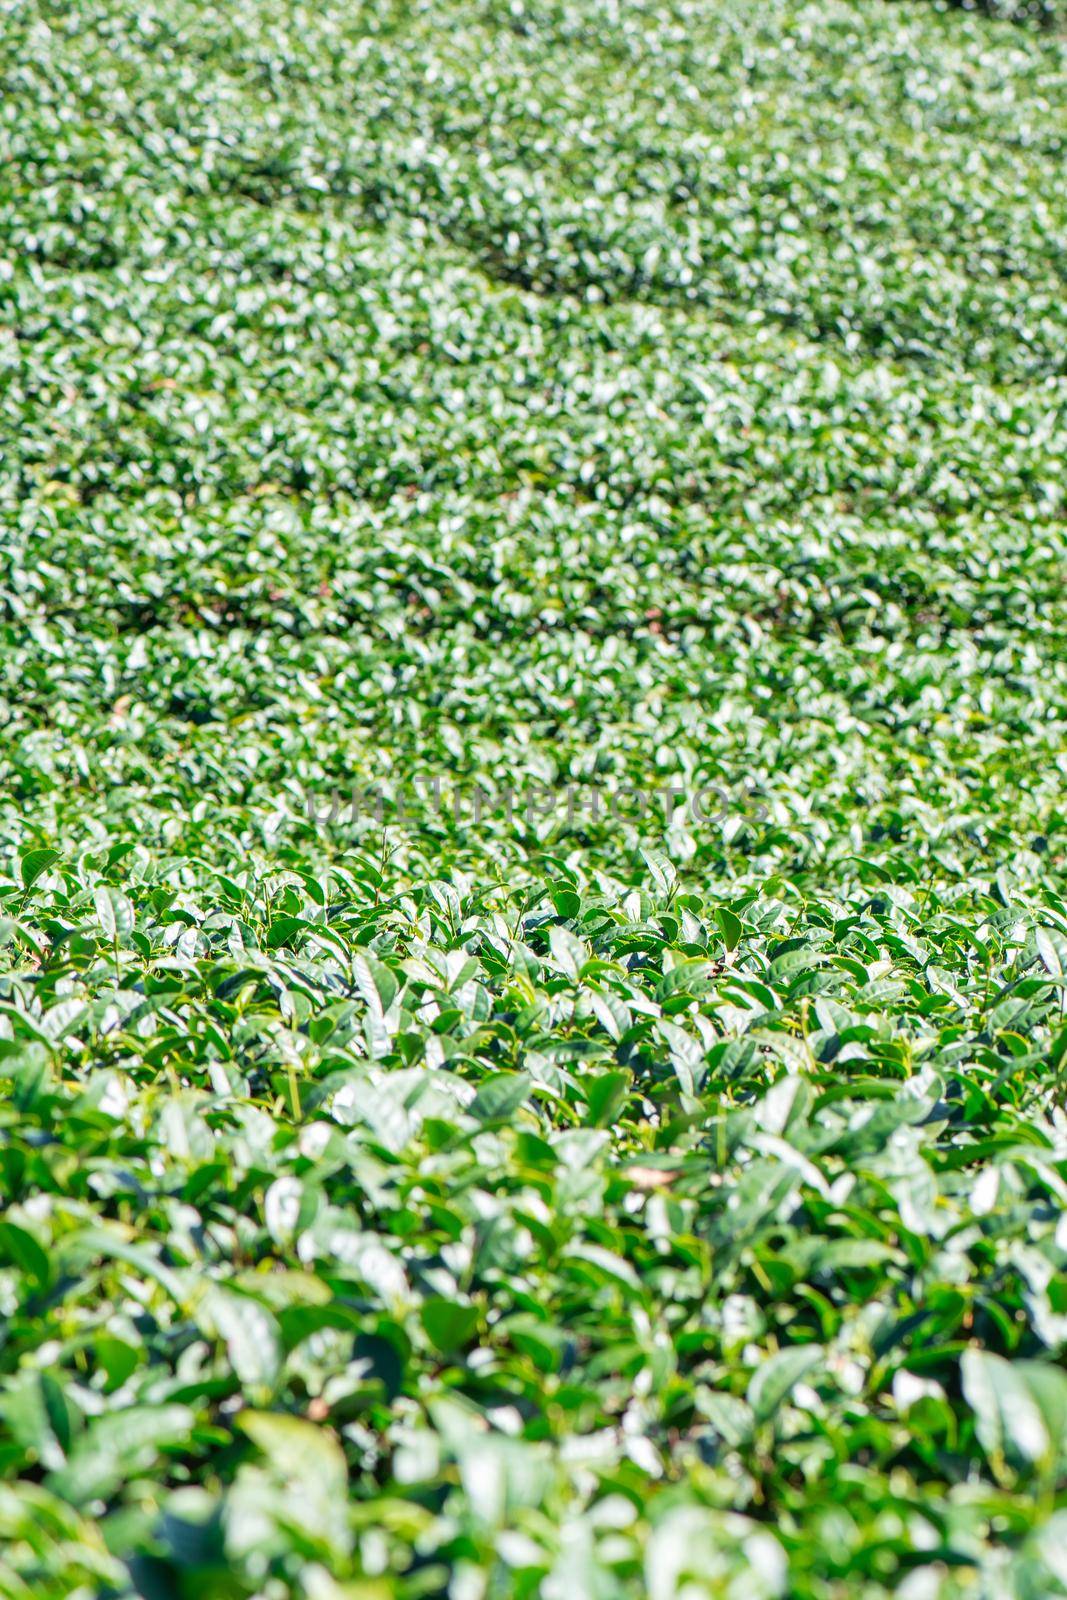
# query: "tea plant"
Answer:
x=533 y=939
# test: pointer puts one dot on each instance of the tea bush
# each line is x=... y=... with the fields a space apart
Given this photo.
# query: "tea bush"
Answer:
x=532 y=925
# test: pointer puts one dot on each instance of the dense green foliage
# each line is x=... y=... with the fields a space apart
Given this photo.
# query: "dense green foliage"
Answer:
x=1046 y=13
x=603 y=1195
